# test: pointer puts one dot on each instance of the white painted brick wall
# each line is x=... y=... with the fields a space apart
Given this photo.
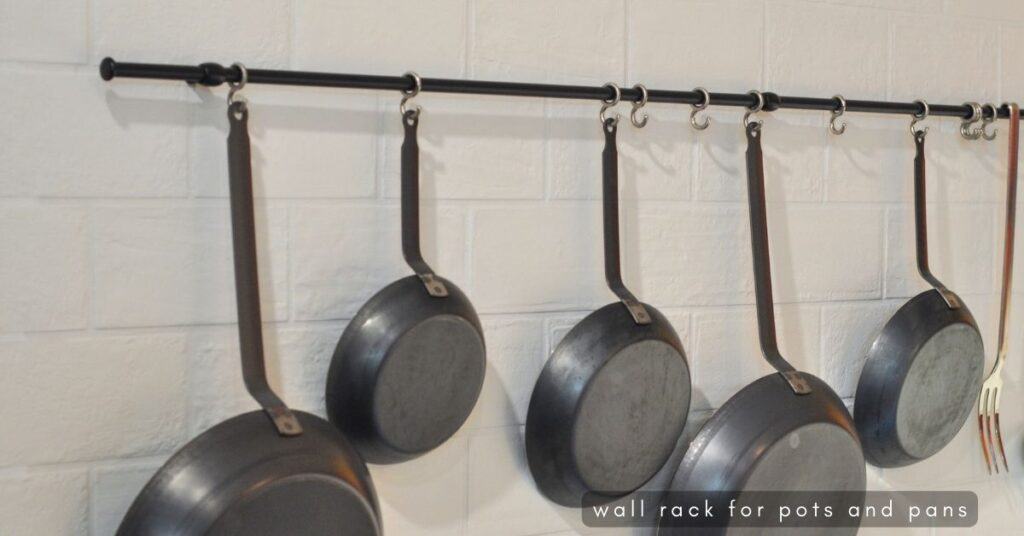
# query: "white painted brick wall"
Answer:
x=117 y=339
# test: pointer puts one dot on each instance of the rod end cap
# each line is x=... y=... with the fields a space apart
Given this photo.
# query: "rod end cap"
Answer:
x=107 y=68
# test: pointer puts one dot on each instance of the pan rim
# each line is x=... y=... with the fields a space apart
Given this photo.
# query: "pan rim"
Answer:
x=196 y=449
x=734 y=480
x=351 y=380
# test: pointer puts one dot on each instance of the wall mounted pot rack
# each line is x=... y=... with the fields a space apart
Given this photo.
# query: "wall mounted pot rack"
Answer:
x=215 y=74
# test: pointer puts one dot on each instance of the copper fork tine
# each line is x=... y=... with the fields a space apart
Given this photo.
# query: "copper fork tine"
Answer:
x=999 y=433
x=982 y=411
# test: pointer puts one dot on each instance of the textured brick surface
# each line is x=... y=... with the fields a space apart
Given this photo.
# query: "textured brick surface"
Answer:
x=117 y=308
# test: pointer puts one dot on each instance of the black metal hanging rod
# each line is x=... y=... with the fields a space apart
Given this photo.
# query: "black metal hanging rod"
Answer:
x=214 y=74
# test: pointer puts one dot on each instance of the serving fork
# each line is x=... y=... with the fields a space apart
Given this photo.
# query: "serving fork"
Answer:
x=992 y=390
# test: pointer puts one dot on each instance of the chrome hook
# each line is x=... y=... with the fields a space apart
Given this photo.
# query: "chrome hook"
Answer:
x=986 y=121
x=833 y=124
x=753 y=110
x=235 y=87
x=703 y=104
x=408 y=94
x=637 y=106
x=918 y=117
x=966 y=131
x=608 y=104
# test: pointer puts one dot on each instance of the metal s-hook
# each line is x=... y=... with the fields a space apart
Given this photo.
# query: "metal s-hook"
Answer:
x=637 y=106
x=703 y=104
x=966 y=130
x=986 y=121
x=235 y=87
x=407 y=95
x=753 y=110
x=608 y=104
x=833 y=124
x=918 y=117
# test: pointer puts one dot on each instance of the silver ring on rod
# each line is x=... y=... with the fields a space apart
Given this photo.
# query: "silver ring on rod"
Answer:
x=918 y=117
x=753 y=110
x=408 y=94
x=986 y=121
x=235 y=87
x=966 y=131
x=637 y=106
x=833 y=124
x=703 y=104
x=608 y=104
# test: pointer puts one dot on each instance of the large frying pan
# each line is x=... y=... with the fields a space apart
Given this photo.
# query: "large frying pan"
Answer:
x=409 y=367
x=924 y=370
x=613 y=398
x=291 y=474
x=787 y=431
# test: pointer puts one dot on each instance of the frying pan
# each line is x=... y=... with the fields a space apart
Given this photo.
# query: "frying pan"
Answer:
x=924 y=369
x=409 y=367
x=613 y=398
x=293 y=474
x=787 y=431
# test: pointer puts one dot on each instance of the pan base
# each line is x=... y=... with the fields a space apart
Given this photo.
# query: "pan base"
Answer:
x=631 y=416
x=939 y=391
x=428 y=384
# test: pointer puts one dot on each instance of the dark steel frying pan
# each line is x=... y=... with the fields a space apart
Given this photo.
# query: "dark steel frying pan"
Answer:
x=924 y=370
x=409 y=367
x=291 y=474
x=787 y=431
x=613 y=398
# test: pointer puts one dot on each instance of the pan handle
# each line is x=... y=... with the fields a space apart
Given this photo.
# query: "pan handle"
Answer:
x=612 y=269
x=762 y=264
x=411 y=207
x=1010 y=235
x=247 y=289
x=921 y=224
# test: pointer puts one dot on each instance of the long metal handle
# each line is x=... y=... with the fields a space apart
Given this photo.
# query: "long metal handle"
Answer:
x=610 y=185
x=762 y=264
x=1010 y=235
x=411 y=208
x=921 y=225
x=247 y=288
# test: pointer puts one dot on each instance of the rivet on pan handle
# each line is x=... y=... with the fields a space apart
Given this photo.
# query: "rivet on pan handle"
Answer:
x=247 y=289
x=411 y=207
x=921 y=224
x=762 y=264
x=612 y=270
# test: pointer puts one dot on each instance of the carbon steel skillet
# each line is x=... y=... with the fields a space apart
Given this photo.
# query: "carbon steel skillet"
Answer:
x=613 y=398
x=267 y=472
x=409 y=367
x=787 y=431
x=924 y=369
